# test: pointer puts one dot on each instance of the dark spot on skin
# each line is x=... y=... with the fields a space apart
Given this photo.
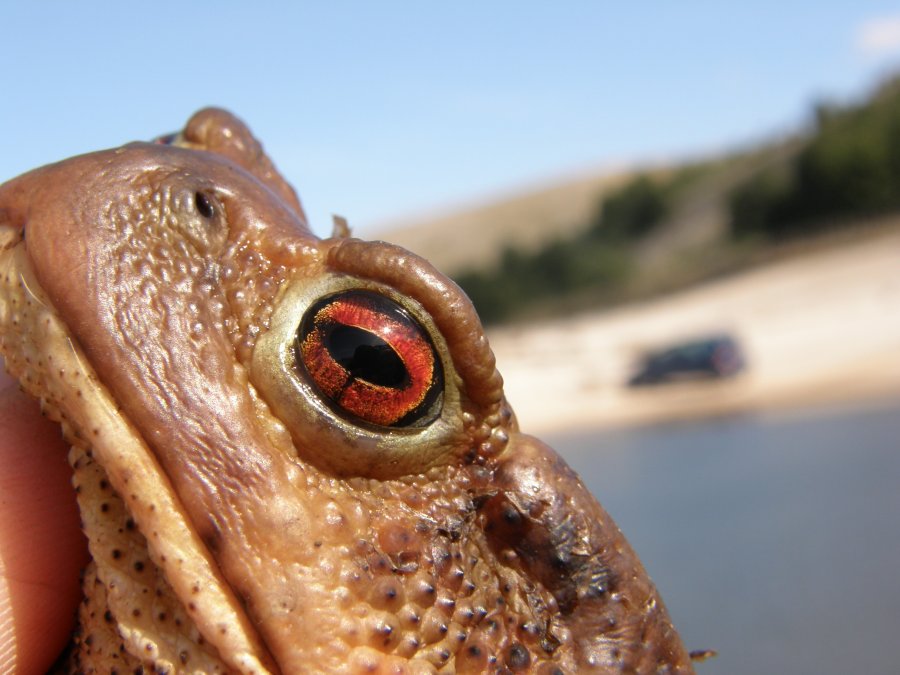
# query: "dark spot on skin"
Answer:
x=474 y=650
x=129 y=524
x=559 y=561
x=549 y=642
x=116 y=554
x=138 y=566
x=517 y=656
x=512 y=517
x=451 y=532
x=702 y=654
x=103 y=484
x=107 y=616
x=211 y=540
x=479 y=500
x=135 y=613
x=183 y=657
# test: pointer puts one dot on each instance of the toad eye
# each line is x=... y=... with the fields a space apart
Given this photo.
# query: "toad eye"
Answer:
x=371 y=360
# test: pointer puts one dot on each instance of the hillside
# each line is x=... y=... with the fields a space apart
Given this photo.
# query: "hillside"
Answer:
x=531 y=218
x=528 y=218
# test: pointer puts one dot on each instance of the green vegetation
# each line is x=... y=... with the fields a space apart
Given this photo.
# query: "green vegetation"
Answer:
x=630 y=213
x=850 y=167
x=599 y=259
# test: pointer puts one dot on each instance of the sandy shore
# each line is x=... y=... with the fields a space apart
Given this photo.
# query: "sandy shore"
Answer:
x=820 y=329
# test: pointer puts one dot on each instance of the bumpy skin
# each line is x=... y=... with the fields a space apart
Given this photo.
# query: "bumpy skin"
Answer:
x=237 y=524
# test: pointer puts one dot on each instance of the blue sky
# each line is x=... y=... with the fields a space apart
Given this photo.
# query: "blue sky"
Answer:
x=384 y=110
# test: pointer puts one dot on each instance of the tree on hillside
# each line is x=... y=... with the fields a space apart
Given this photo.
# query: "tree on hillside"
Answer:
x=850 y=167
x=631 y=212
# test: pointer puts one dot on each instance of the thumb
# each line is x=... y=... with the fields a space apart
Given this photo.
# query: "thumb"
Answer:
x=42 y=549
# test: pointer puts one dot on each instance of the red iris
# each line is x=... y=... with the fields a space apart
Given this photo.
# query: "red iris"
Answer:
x=370 y=358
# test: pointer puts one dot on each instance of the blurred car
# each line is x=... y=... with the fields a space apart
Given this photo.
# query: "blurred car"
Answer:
x=713 y=358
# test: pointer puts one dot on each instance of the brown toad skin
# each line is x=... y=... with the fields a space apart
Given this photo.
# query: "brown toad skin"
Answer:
x=318 y=546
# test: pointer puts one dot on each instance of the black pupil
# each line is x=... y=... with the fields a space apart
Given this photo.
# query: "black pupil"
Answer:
x=366 y=356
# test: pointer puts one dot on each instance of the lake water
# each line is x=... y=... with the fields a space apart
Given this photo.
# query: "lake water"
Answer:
x=774 y=539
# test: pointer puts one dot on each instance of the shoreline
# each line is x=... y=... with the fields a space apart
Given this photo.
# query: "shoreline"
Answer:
x=820 y=329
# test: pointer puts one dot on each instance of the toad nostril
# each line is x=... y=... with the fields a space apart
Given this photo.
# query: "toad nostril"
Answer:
x=204 y=205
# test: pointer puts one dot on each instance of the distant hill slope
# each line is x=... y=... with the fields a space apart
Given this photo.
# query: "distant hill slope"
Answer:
x=474 y=237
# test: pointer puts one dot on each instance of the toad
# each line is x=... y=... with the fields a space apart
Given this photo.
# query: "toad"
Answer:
x=293 y=454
